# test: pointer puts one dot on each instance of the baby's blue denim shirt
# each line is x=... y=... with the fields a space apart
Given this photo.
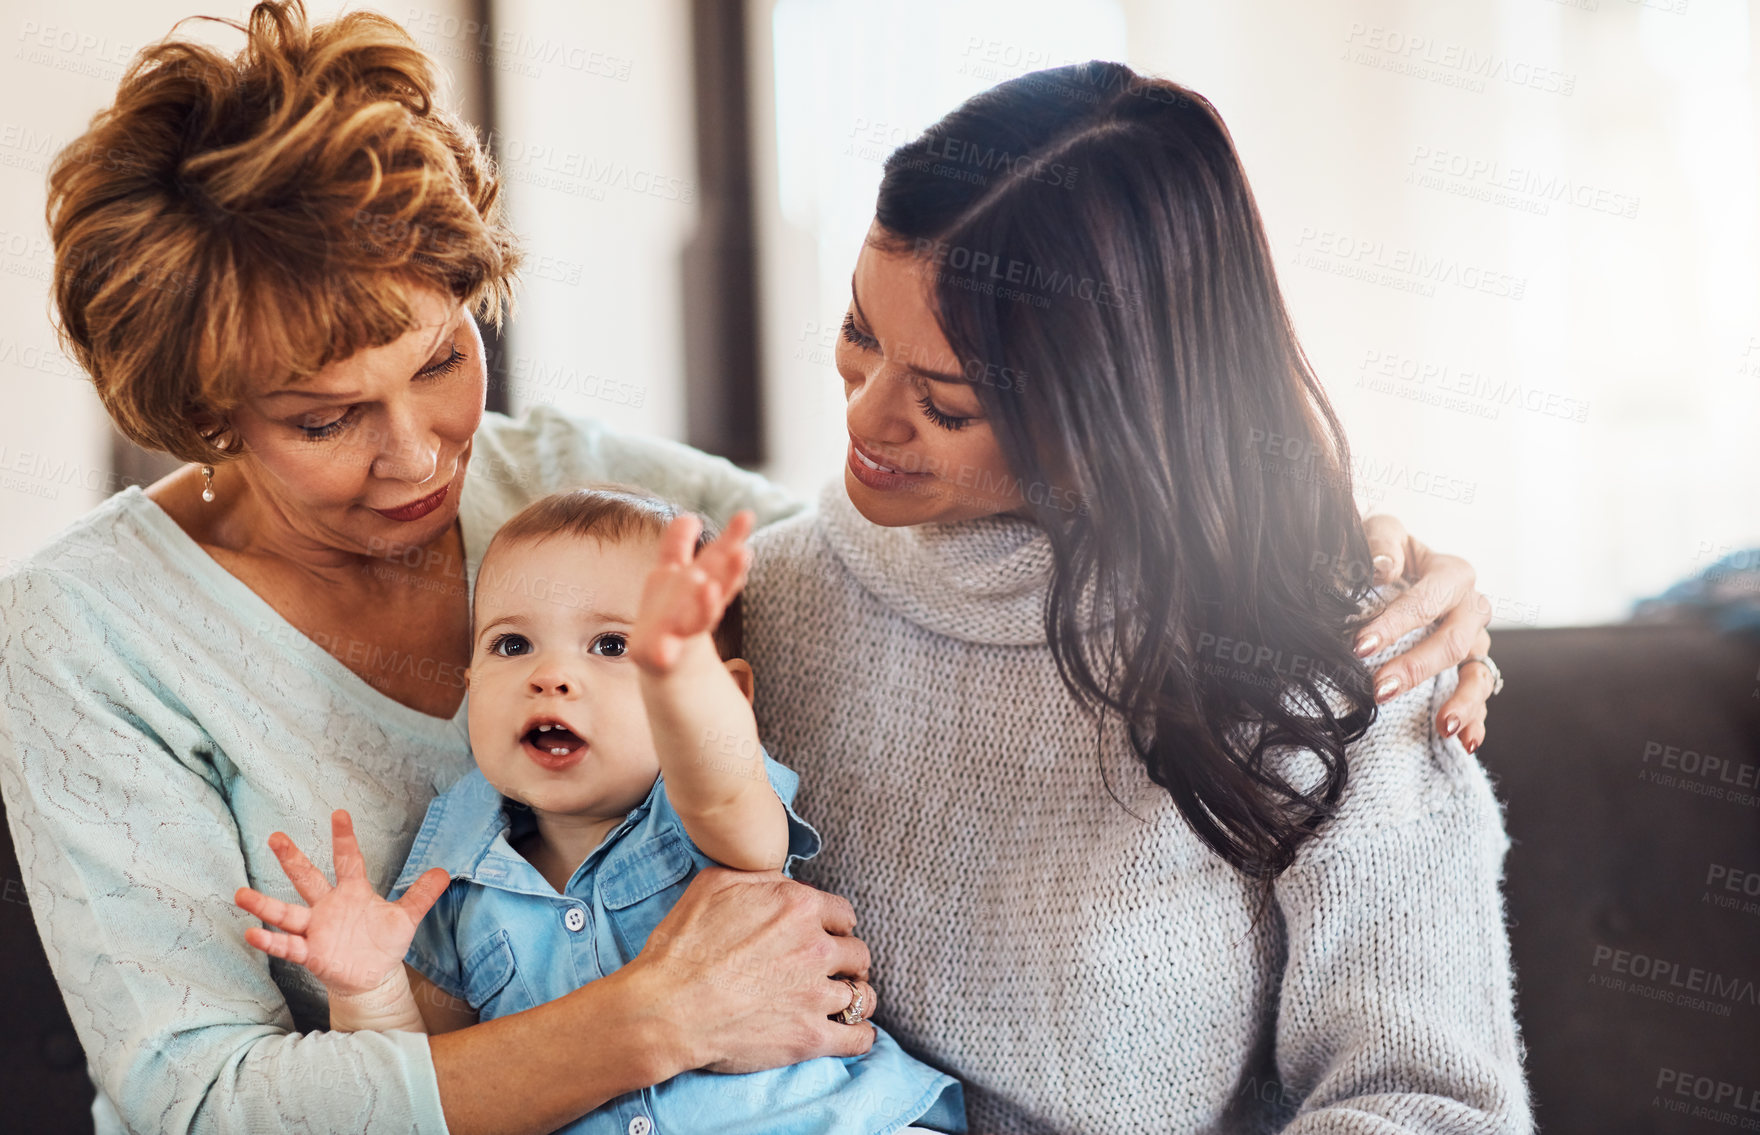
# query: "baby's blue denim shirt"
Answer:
x=502 y=939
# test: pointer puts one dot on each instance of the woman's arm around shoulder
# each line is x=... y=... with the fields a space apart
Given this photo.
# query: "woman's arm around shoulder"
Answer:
x=1396 y=1010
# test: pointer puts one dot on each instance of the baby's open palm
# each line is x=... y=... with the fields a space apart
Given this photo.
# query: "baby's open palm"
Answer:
x=348 y=936
x=686 y=594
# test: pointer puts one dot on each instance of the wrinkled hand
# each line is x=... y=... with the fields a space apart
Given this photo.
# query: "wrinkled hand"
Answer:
x=752 y=960
x=1439 y=589
x=348 y=937
x=686 y=596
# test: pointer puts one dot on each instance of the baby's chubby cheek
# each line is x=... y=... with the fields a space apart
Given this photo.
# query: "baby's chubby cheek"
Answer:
x=490 y=719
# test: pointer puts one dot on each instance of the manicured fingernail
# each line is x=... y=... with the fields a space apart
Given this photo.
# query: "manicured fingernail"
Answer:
x=1382 y=565
x=1472 y=746
x=1386 y=689
x=1367 y=644
x=1450 y=724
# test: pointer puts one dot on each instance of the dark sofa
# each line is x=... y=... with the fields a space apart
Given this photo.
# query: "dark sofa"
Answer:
x=1627 y=758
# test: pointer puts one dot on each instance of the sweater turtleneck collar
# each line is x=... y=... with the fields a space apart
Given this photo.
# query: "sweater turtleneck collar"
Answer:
x=981 y=581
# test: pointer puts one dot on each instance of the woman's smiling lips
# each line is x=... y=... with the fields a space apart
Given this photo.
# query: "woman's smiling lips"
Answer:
x=415 y=510
x=875 y=474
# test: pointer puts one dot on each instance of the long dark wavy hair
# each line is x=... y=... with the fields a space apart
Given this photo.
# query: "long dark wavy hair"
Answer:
x=1090 y=233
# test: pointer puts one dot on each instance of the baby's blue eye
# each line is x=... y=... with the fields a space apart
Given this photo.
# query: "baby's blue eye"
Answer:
x=510 y=645
x=609 y=646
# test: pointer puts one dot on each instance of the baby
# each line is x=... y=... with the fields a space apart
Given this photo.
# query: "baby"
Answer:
x=617 y=755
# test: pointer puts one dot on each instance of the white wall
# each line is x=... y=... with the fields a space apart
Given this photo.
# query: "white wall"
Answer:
x=61 y=62
x=595 y=98
x=1561 y=383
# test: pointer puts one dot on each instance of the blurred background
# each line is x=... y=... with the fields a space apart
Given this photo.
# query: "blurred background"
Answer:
x=1521 y=243
x=1521 y=238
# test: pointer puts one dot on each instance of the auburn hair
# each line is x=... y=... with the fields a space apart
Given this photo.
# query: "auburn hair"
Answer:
x=231 y=222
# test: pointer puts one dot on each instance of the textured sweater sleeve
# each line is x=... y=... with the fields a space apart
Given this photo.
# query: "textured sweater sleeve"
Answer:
x=130 y=857
x=546 y=451
x=1396 y=1012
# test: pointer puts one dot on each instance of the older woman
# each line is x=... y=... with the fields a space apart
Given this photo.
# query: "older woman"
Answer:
x=270 y=267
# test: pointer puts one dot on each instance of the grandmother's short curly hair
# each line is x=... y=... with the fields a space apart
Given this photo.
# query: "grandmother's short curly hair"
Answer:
x=229 y=222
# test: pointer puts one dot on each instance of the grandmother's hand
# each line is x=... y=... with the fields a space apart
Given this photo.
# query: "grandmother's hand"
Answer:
x=748 y=961
x=1439 y=589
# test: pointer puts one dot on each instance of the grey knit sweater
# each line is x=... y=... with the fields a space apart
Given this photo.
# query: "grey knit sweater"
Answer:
x=1073 y=952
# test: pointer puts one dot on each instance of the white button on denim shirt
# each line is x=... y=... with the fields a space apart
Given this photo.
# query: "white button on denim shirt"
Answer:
x=502 y=939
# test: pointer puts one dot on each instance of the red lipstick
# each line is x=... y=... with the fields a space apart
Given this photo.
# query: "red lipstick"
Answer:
x=415 y=510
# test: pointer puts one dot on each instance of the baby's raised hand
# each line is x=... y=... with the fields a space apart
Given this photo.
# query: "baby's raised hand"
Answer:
x=348 y=937
x=686 y=595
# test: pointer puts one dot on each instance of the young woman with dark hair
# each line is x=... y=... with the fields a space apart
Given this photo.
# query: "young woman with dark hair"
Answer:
x=1066 y=661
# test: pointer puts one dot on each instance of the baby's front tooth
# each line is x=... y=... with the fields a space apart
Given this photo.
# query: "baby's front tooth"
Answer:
x=559 y=752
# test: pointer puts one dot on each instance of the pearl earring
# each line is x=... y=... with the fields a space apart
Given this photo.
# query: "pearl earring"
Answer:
x=208 y=483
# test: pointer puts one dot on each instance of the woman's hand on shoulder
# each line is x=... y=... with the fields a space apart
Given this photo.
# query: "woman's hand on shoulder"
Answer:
x=750 y=965
x=1438 y=589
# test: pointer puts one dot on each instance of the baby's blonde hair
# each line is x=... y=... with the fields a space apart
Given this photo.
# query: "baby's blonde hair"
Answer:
x=610 y=513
